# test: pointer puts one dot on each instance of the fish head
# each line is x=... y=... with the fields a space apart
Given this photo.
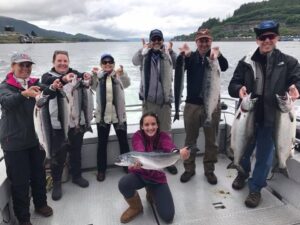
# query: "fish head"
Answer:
x=63 y=93
x=284 y=102
x=125 y=160
x=85 y=83
x=248 y=103
x=41 y=100
x=76 y=83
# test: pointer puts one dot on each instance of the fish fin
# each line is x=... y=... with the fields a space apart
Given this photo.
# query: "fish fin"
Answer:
x=118 y=164
x=283 y=171
x=207 y=123
x=237 y=167
x=291 y=115
x=238 y=115
x=89 y=129
x=231 y=166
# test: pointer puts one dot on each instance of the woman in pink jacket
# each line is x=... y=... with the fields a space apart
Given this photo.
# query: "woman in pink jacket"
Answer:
x=149 y=138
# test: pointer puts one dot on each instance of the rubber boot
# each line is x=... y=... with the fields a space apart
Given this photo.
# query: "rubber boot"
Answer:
x=135 y=208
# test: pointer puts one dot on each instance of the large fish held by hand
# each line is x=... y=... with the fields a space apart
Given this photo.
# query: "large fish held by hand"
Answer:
x=242 y=131
x=178 y=83
x=63 y=112
x=42 y=123
x=285 y=132
x=81 y=104
x=211 y=89
x=149 y=160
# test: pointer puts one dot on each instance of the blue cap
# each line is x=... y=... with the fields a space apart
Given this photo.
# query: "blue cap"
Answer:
x=105 y=55
x=156 y=33
x=267 y=26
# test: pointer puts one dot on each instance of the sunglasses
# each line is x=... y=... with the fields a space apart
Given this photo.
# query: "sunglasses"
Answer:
x=156 y=39
x=107 y=62
x=267 y=36
x=25 y=65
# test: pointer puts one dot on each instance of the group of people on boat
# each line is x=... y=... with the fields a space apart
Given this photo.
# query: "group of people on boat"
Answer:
x=264 y=73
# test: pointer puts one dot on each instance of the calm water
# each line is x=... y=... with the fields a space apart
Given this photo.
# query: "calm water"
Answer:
x=84 y=56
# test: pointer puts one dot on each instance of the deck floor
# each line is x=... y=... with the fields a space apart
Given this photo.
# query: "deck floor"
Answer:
x=195 y=201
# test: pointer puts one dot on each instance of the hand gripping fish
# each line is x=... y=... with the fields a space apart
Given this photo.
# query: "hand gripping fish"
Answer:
x=149 y=160
x=242 y=131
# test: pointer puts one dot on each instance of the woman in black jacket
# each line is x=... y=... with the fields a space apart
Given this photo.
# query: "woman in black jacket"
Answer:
x=20 y=145
x=60 y=146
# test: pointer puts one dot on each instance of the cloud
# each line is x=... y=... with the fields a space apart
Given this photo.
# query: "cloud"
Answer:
x=119 y=18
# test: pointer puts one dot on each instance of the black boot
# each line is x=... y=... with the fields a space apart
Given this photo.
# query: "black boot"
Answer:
x=56 y=191
x=253 y=199
x=239 y=182
x=125 y=169
x=172 y=169
x=211 y=178
x=186 y=176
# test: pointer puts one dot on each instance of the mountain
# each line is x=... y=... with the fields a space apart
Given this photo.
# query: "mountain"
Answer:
x=23 y=27
x=240 y=25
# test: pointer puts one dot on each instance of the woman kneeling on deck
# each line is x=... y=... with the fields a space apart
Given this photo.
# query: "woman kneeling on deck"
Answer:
x=149 y=138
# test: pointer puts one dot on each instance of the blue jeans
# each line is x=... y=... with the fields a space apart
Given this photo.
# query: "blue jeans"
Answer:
x=265 y=147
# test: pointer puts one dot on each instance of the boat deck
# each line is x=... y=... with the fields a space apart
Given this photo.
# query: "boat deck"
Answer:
x=196 y=202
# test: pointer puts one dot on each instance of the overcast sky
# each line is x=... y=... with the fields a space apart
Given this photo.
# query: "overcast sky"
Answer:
x=119 y=19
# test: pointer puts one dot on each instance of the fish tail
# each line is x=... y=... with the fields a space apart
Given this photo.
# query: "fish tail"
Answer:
x=207 y=123
x=239 y=168
x=283 y=171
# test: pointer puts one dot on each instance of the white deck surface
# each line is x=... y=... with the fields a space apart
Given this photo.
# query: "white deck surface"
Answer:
x=102 y=204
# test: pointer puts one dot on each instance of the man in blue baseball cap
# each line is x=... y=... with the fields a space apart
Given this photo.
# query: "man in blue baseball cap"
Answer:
x=263 y=73
x=156 y=62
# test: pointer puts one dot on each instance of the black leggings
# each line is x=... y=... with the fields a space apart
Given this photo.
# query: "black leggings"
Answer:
x=160 y=192
x=103 y=134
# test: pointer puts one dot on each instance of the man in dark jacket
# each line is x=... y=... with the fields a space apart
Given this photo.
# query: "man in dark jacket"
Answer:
x=23 y=158
x=196 y=64
x=275 y=73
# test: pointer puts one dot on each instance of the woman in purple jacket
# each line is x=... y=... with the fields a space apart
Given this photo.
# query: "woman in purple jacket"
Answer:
x=149 y=138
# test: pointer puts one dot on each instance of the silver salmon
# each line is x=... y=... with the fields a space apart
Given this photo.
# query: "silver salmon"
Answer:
x=42 y=124
x=285 y=131
x=63 y=112
x=242 y=131
x=81 y=104
x=178 y=83
x=211 y=89
x=149 y=160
